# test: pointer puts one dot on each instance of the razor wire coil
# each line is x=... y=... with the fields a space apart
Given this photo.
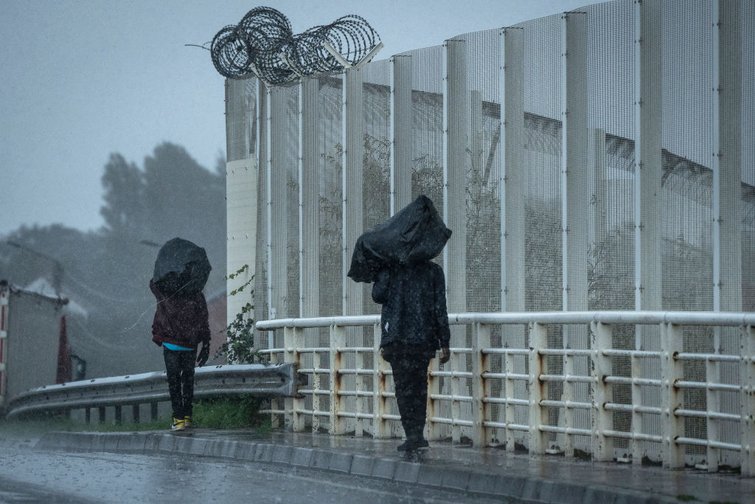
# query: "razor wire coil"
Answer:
x=263 y=44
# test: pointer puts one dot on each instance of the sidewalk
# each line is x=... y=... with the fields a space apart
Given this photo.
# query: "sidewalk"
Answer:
x=488 y=471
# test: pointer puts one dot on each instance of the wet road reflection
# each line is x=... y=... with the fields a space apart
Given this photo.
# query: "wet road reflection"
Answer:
x=55 y=477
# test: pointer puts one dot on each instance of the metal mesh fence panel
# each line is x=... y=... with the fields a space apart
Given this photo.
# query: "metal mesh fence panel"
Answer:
x=685 y=220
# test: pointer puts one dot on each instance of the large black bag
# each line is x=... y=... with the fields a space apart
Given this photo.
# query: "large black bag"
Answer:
x=181 y=268
x=416 y=233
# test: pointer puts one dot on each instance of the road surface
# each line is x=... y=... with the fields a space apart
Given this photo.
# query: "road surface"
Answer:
x=28 y=475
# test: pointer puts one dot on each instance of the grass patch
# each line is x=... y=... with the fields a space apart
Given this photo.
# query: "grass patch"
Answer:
x=241 y=412
x=231 y=413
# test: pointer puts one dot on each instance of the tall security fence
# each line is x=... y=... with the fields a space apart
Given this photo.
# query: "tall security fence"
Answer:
x=595 y=160
x=603 y=424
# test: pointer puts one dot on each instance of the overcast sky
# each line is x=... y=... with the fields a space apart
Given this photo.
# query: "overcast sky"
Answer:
x=84 y=78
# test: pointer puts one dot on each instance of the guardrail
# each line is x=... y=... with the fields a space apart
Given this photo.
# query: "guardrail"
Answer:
x=676 y=388
x=152 y=388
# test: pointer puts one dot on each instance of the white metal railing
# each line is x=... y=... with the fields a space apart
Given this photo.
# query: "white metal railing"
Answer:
x=679 y=401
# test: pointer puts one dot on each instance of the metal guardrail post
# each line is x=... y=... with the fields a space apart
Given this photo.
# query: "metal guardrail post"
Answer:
x=337 y=342
x=151 y=388
x=538 y=340
x=671 y=372
x=480 y=386
x=602 y=419
x=747 y=399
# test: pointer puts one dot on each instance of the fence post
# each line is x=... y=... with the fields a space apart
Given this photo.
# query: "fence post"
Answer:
x=671 y=371
x=747 y=399
x=538 y=340
x=293 y=341
x=380 y=426
x=602 y=419
x=337 y=342
x=480 y=387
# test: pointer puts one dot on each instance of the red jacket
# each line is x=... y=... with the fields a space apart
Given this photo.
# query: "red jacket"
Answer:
x=180 y=320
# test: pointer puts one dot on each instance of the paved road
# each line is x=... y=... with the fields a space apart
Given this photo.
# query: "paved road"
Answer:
x=56 y=477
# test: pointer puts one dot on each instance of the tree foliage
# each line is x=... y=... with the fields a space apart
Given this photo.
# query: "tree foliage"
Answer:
x=107 y=271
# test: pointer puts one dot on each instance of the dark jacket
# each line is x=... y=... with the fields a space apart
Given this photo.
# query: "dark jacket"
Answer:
x=414 y=306
x=180 y=320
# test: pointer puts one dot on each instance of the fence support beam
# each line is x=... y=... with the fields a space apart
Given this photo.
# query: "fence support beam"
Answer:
x=455 y=119
x=352 y=173
x=309 y=198
x=574 y=211
x=277 y=192
x=401 y=132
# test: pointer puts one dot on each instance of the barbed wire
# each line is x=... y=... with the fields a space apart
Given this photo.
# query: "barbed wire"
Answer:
x=264 y=45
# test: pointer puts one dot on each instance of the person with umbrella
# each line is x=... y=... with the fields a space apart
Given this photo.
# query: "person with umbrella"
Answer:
x=181 y=321
x=397 y=256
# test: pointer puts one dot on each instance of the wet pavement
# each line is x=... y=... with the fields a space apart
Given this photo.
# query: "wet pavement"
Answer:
x=483 y=472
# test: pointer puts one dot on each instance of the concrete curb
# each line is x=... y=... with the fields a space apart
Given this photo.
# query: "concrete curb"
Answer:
x=445 y=476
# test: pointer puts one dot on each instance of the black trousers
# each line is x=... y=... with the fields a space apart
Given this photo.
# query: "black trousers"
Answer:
x=179 y=366
x=410 y=380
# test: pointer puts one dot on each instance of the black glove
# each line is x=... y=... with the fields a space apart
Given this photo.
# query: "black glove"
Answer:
x=204 y=354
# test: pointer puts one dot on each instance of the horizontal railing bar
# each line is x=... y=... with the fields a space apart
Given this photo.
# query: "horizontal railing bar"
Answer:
x=452 y=421
x=610 y=352
x=715 y=415
x=633 y=381
x=707 y=386
x=637 y=436
x=565 y=404
x=450 y=397
x=708 y=357
x=504 y=425
x=565 y=430
x=710 y=443
x=502 y=400
x=565 y=351
x=506 y=351
x=685 y=318
x=452 y=374
x=505 y=376
x=567 y=378
x=632 y=408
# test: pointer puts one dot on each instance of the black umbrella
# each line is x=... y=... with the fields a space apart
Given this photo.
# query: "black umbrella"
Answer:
x=181 y=268
x=416 y=233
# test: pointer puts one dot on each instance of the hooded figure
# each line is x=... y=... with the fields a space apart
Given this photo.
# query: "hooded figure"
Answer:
x=412 y=291
x=181 y=320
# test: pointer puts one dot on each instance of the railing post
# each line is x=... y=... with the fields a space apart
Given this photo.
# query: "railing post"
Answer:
x=602 y=419
x=538 y=340
x=480 y=387
x=293 y=341
x=135 y=413
x=747 y=399
x=337 y=342
x=379 y=425
x=456 y=359
x=672 y=371
x=316 y=388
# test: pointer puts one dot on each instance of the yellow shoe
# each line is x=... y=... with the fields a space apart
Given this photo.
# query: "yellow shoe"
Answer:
x=178 y=424
x=187 y=422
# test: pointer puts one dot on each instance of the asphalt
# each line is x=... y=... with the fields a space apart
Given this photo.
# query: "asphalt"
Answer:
x=488 y=471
